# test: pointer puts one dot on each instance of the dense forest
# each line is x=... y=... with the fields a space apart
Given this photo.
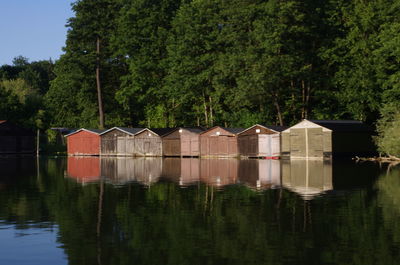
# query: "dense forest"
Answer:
x=165 y=63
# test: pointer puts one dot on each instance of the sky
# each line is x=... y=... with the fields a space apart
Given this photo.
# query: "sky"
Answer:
x=34 y=29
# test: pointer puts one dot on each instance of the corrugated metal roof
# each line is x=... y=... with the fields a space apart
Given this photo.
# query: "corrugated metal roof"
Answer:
x=343 y=125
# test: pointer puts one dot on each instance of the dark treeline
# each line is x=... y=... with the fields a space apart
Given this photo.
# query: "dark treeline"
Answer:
x=164 y=63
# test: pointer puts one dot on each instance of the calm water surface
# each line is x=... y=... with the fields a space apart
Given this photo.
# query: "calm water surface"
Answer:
x=191 y=211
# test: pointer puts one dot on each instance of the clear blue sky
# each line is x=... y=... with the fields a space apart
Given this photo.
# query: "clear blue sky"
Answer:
x=33 y=28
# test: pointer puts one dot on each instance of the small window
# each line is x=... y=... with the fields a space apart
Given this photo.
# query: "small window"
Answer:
x=258 y=130
x=218 y=133
x=180 y=130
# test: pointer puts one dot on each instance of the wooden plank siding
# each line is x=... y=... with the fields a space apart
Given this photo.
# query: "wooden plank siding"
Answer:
x=260 y=141
x=147 y=143
x=313 y=139
x=182 y=142
x=220 y=142
x=84 y=142
x=115 y=142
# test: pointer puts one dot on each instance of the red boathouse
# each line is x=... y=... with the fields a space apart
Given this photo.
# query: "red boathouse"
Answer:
x=84 y=142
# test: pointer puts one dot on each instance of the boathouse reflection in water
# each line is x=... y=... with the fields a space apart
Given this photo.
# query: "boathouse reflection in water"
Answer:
x=308 y=178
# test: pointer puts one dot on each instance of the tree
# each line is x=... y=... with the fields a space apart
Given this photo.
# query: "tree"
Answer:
x=88 y=67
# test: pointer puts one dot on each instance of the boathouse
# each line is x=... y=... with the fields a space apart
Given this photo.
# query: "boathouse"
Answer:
x=321 y=139
x=84 y=142
x=260 y=141
x=148 y=142
x=119 y=141
x=15 y=139
x=219 y=142
x=182 y=142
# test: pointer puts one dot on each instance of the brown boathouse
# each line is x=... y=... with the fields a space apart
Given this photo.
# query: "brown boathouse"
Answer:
x=15 y=139
x=219 y=142
x=84 y=142
x=148 y=142
x=321 y=139
x=182 y=142
x=119 y=141
x=260 y=141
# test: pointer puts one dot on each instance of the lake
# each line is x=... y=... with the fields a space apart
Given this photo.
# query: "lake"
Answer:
x=197 y=211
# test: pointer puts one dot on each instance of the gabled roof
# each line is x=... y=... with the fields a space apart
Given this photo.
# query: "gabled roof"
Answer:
x=130 y=131
x=95 y=131
x=334 y=125
x=231 y=130
x=274 y=128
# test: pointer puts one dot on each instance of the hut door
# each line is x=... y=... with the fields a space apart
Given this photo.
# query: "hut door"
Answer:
x=315 y=142
x=264 y=147
x=121 y=146
x=298 y=142
x=146 y=147
x=275 y=145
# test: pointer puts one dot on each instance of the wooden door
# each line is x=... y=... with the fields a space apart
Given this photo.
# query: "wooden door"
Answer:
x=315 y=142
x=298 y=142
x=121 y=146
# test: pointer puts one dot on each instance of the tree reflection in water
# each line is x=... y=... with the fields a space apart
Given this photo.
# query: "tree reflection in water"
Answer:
x=182 y=218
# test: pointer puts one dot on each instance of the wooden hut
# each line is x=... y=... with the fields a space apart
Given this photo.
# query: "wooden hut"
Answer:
x=317 y=139
x=307 y=178
x=83 y=169
x=84 y=142
x=15 y=139
x=119 y=141
x=182 y=142
x=260 y=141
x=219 y=142
x=148 y=142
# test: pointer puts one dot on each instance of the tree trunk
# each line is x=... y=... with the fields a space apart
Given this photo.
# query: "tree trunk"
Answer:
x=211 y=111
x=99 y=97
x=205 y=109
x=278 y=109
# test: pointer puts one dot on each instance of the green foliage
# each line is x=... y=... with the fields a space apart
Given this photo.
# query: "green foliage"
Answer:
x=166 y=63
x=388 y=128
